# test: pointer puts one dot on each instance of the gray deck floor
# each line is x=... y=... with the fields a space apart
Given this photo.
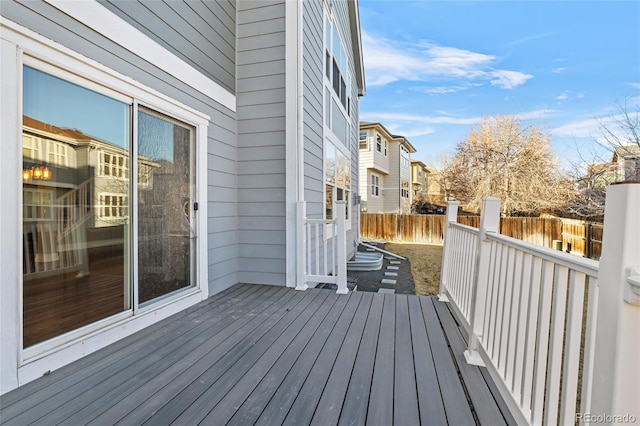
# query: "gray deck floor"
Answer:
x=271 y=355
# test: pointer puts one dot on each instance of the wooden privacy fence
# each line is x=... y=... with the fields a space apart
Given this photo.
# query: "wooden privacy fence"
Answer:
x=578 y=237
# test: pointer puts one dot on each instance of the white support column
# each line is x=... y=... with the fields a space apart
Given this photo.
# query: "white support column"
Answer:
x=451 y=215
x=301 y=244
x=489 y=222
x=341 y=255
x=615 y=387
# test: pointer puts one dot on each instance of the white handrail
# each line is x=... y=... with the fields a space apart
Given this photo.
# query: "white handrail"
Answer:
x=532 y=314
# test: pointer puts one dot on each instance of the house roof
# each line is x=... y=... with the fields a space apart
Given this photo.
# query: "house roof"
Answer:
x=356 y=43
x=421 y=164
x=54 y=130
x=380 y=127
x=405 y=142
x=626 y=151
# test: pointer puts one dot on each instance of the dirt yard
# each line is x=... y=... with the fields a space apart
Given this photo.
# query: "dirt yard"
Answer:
x=426 y=261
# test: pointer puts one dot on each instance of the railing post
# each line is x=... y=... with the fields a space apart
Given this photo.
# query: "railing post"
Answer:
x=489 y=222
x=451 y=215
x=341 y=255
x=301 y=242
x=615 y=386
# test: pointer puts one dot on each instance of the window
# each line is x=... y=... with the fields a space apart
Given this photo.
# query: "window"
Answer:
x=114 y=165
x=363 y=141
x=375 y=185
x=57 y=153
x=405 y=161
x=404 y=189
x=37 y=205
x=31 y=147
x=337 y=83
x=337 y=178
x=113 y=206
x=378 y=143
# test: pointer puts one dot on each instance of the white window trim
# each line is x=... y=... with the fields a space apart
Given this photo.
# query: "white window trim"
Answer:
x=373 y=175
x=21 y=46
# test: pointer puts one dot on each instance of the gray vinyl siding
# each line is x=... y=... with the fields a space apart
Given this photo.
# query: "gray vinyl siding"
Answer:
x=201 y=33
x=222 y=131
x=261 y=142
x=313 y=55
x=313 y=118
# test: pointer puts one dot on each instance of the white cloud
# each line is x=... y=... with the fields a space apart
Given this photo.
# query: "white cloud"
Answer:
x=563 y=96
x=387 y=61
x=508 y=79
x=558 y=70
x=414 y=124
x=634 y=85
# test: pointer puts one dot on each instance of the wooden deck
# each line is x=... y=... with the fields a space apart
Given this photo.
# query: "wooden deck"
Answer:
x=271 y=355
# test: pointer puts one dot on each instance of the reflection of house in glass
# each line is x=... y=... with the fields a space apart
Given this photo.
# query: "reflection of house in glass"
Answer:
x=75 y=219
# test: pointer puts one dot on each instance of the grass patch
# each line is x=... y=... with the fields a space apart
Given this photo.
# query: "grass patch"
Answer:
x=426 y=261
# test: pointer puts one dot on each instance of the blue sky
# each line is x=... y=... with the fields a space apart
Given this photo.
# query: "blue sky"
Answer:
x=434 y=68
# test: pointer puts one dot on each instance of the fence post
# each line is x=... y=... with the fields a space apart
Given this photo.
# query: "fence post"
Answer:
x=489 y=222
x=615 y=386
x=341 y=250
x=301 y=217
x=451 y=215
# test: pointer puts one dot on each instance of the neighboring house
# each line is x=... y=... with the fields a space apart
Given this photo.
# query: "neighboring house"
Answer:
x=164 y=147
x=419 y=179
x=385 y=170
x=627 y=163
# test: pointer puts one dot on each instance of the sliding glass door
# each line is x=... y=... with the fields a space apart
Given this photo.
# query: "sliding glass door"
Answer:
x=108 y=224
x=165 y=190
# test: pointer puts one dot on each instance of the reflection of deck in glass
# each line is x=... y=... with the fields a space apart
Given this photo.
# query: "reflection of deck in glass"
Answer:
x=63 y=302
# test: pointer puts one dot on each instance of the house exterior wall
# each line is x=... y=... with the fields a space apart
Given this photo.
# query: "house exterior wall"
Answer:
x=391 y=191
x=218 y=151
x=261 y=142
x=391 y=164
x=200 y=33
x=228 y=66
x=52 y=23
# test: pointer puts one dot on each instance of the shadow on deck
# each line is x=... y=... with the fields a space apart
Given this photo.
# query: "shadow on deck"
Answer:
x=269 y=355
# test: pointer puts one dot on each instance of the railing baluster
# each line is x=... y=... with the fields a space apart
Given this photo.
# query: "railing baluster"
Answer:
x=532 y=325
x=573 y=337
x=554 y=364
x=542 y=345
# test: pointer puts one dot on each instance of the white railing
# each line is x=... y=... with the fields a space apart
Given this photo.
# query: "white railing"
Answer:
x=322 y=254
x=461 y=265
x=74 y=207
x=534 y=315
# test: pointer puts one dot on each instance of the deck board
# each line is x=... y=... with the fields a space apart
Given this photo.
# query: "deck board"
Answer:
x=457 y=409
x=381 y=397
x=431 y=404
x=405 y=399
x=485 y=408
x=270 y=355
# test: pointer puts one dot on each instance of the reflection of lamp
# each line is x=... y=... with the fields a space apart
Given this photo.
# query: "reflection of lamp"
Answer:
x=38 y=172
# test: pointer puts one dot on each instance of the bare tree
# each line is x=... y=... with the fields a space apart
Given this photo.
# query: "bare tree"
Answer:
x=620 y=136
x=504 y=160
